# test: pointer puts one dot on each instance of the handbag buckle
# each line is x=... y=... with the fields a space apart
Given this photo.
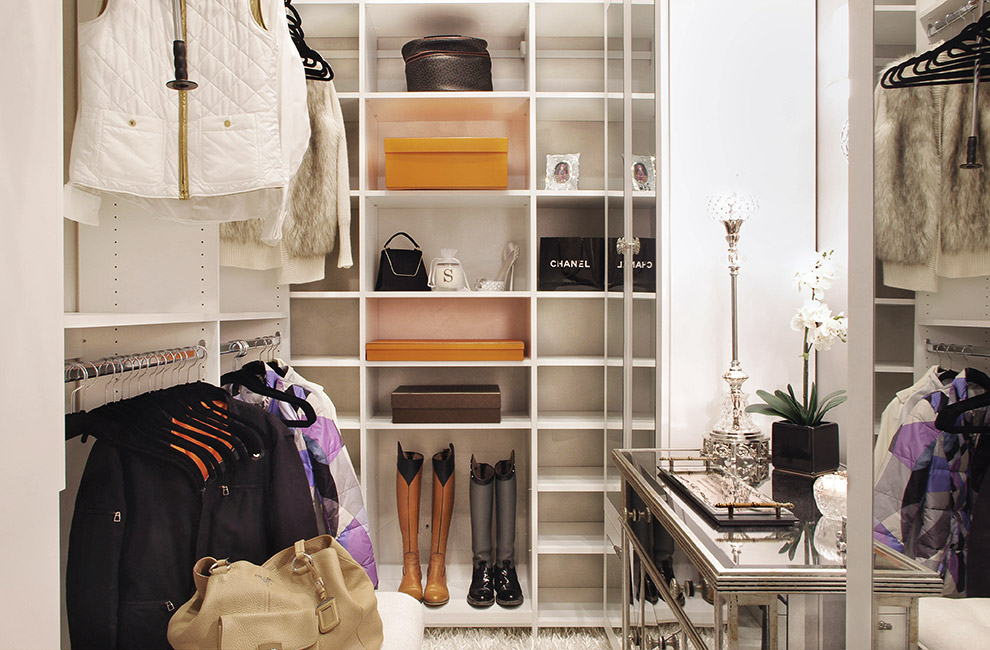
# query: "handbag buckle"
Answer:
x=327 y=615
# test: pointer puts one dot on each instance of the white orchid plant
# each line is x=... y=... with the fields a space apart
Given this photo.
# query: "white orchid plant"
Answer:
x=821 y=331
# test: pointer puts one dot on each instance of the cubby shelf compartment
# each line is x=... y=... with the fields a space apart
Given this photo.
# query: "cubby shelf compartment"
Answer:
x=450 y=364
x=81 y=320
x=567 y=361
x=457 y=612
x=955 y=323
x=894 y=302
x=323 y=295
x=571 y=606
x=253 y=315
x=448 y=107
x=448 y=198
x=316 y=361
x=895 y=367
x=591 y=420
x=571 y=538
x=509 y=421
x=348 y=420
x=574 y=479
x=456 y=295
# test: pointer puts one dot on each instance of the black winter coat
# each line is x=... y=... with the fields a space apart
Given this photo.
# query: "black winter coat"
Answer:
x=140 y=524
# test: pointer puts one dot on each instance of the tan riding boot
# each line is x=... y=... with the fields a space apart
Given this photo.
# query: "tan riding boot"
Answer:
x=443 y=508
x=408 y=481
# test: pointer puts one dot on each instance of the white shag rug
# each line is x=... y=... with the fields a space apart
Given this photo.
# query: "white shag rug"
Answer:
x=518 y=638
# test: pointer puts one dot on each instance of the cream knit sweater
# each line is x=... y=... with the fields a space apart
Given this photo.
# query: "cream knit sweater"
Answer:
x=319 y=204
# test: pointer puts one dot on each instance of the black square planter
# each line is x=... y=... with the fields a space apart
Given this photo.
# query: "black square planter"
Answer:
x=805 y=450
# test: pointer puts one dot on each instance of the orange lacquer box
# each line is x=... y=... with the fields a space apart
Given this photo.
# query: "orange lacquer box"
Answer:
x=445 y=350
x=446 y=163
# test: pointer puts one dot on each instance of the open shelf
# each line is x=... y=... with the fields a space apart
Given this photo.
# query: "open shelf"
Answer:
x=448 y=106
x=253 y=315
x=571 y=606
x=457 y=612
x=955 y=323
x=571 y=538
x=437 y=295
x=81 y=320
x=322 y=295
x=894 y=367
x=315 y=361
x=448 y=198
x=450 y=364
x=574 y=479
x=509 y=421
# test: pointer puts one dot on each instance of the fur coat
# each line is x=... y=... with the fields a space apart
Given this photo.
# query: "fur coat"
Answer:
x=931 y=217
x=319 y=204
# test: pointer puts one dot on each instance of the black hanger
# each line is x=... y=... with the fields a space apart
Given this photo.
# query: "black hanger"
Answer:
x=252 y=377
x=952 y=62
x=948 y=416
x=315 y=65
x=209 y=404
x=146 y=419
x=109 y=432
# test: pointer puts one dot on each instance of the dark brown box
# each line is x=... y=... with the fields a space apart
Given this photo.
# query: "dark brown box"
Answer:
x=447 y=403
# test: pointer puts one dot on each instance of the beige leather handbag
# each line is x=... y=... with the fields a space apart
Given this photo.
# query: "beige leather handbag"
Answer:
x=314 y=595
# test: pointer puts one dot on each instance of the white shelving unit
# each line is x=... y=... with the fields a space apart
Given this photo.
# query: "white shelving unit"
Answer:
x=559 y=70
x=895 y=35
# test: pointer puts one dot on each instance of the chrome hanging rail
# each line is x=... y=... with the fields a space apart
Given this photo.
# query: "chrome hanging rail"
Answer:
x=240 y=347
x=938 y=25
x=955 y=348
x=76 y=370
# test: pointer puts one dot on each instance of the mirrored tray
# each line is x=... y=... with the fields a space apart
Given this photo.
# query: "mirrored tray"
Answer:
x=723 y=498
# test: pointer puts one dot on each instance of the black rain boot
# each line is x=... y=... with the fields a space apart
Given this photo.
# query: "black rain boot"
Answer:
x=481 y=593
x=508 y=593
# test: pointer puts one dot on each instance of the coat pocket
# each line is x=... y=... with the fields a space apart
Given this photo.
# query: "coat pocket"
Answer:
x=131 y=148
x=229 y=150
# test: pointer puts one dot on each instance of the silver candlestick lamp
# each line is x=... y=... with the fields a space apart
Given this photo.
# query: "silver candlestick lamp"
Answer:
x=736 y=443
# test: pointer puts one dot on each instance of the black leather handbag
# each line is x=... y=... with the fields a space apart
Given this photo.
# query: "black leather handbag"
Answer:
x=448 y=62
x=401 y=269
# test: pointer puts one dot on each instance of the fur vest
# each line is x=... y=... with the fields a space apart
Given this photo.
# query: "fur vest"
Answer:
x=930 y=217
x=319 y=204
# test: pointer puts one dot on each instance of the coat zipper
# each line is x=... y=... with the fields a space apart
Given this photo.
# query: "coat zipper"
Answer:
x=183 y=126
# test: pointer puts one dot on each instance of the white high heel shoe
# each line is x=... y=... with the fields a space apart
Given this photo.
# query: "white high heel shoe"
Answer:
x=504 y=278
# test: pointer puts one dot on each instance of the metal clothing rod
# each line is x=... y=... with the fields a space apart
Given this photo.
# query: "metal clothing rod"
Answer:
x=241 y=347
x=84 y=370
x=940 y=24
x=955 y=348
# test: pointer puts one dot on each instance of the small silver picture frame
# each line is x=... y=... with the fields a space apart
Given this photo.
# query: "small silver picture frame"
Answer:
x=563 y=171
x=644 y=173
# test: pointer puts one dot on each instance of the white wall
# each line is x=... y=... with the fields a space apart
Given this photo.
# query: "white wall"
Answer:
x=31 y=270
x=742 y=118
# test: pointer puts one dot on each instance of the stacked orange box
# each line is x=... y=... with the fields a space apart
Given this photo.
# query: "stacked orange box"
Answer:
x=445 y=350
x=446 y=163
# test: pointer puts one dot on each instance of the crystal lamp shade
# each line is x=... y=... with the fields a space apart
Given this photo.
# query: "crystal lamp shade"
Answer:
x=732 y=207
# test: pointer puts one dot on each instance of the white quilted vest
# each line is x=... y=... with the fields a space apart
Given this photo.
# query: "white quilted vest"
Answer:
x=227 y=154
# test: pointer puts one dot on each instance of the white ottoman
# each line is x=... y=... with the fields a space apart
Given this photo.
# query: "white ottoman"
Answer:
x=953 y=623
x=402 y=621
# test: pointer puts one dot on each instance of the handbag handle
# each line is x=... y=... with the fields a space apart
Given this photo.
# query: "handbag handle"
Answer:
x=406 y=235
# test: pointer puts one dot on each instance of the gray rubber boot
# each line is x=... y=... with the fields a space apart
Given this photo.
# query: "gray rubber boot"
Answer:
x=481 y=593
x=508 y=593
